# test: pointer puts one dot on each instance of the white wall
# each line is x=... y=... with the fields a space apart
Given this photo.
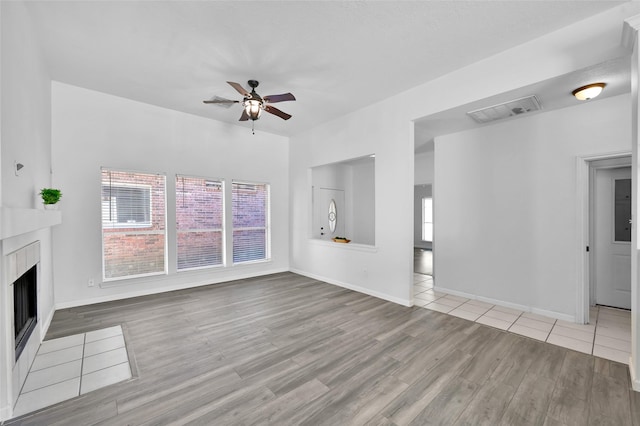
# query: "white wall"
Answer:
x=363 y=199
x=507 y=197
x=25 y=136
x=386 y=128
x=424 y=168
x=26 y=109
x=385 y=270
x=92 y=129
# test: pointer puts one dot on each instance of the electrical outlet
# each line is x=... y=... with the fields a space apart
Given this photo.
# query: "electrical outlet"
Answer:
x=91 y=283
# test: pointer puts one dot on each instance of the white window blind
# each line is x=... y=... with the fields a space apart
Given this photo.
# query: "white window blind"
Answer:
x=251 y=239
x=199 y=222
x=133 y=224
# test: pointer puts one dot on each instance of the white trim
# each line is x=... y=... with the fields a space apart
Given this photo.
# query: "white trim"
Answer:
x=146 y=292
x=523 y=308
x=44 y=327
x=583 y=230
x=630 y=27
x=635 y=382
x=383 y=296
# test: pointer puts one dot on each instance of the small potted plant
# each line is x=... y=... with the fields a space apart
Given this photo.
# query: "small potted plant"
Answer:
x=50 y=196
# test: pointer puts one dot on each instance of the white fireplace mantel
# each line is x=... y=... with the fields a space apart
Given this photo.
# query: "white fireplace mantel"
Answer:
x=17 y=221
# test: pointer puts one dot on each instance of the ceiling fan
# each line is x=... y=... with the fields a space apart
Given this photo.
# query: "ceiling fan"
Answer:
x=253 y=103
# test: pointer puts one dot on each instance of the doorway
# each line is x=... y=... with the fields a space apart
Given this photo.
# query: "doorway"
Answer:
x=586 y=284
x=423 y=230
x=329 y=214
x=610 y=231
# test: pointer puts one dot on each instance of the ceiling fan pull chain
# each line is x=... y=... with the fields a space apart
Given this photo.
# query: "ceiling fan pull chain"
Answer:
x=253 y=122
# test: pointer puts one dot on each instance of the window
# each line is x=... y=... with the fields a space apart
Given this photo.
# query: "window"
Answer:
x=427 y=219
x=126 y=206
x=622 y=210
x=250 y=208
x=199 y=222
x=133 y=224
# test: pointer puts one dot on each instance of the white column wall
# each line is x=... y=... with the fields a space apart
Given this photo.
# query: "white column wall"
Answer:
x=632 y=26
x=25 y=137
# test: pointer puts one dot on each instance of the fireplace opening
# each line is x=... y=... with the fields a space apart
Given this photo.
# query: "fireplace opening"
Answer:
x=25 y=307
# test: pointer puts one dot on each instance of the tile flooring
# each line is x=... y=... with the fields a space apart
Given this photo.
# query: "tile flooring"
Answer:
x=74 y=365
x=608 y=336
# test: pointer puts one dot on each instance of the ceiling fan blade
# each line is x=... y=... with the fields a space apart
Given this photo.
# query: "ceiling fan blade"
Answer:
x=239 y=88
x=279 y=98
x=225 y=103
x=244 y=116
x=276 y=111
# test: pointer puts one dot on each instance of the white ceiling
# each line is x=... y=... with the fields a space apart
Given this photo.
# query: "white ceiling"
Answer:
x=334 y=56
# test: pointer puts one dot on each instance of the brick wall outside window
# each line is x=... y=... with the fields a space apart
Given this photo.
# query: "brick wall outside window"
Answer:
x=199 y=222
x=137 y=248
x=250 y=222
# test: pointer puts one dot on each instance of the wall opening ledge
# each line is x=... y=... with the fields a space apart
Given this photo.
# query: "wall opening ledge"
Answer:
x=349 y=246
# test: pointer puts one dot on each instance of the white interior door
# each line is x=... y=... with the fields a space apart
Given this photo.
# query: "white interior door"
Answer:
x=612 y=233
x=321 y=213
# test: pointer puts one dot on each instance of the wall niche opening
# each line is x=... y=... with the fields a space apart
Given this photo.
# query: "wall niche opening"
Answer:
x=343 y=200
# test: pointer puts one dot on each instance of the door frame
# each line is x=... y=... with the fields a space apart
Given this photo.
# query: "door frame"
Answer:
x=583 y=223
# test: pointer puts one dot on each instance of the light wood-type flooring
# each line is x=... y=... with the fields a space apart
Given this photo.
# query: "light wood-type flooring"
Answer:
x=286 y=350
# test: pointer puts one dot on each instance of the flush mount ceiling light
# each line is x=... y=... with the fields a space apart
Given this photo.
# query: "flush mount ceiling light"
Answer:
x=589 y=91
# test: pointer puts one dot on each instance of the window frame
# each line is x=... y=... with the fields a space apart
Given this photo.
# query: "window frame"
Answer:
x=132 y=228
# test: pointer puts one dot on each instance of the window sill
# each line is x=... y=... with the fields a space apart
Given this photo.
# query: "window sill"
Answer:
x=139 y=280
x=345 y=246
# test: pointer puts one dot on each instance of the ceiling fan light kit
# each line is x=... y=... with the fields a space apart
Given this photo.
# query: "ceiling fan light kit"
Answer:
x=253 y=108
x=253 y=104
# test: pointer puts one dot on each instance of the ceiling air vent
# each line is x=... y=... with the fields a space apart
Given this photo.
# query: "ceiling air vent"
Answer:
x=505 y=110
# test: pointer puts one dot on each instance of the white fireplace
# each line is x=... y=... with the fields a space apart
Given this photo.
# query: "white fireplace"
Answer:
x=23 y=265
x=25 y=248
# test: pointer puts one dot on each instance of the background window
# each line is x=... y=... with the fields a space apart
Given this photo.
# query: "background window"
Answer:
x=427 y=219
x=199 y=222
x=250 y=221
x=126 y=206
x=133 y=224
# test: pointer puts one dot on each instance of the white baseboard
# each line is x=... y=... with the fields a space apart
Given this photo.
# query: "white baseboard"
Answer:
x=146 y=292
x=359 y=289
x=635 y=380
x=5 y=413
x=524 y=308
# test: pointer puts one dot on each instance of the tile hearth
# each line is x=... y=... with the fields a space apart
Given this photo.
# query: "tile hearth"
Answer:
x=74 y=365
